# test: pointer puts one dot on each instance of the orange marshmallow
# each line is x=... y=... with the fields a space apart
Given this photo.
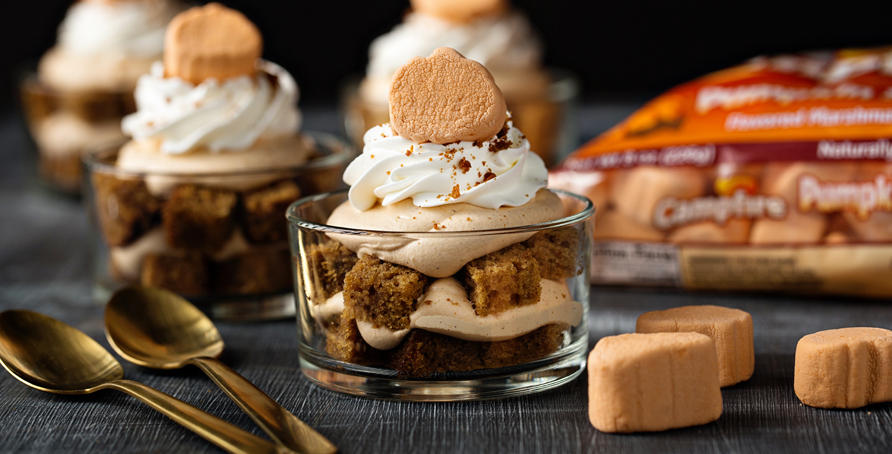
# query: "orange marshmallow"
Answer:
x=445 y=98
x=796 y=228
x=211 y=41
x=730 y=329
x=653 y=382
x=844 y=368
x=635 y=192
x=614 y=225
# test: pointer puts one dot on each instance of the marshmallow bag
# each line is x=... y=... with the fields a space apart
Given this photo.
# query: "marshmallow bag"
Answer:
x=775 y=175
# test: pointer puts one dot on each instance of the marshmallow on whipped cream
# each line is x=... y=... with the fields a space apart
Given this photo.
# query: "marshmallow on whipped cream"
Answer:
x=220 y=125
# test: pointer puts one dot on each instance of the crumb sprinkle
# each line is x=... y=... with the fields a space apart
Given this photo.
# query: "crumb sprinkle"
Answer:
x=455 y=192
x=464 y=165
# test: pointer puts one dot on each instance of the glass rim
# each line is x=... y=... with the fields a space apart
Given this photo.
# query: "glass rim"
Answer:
x=293 y=219
x=341 y=151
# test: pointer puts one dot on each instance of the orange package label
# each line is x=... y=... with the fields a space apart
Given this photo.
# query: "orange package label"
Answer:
x=814 y=107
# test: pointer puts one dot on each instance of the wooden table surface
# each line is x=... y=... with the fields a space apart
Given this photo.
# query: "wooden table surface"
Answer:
x=44 y=266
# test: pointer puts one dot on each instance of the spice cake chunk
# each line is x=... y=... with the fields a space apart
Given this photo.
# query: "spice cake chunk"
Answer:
x=730 y=329
x=344 y=343
x=382 y=293
x=125 y=208
x=653 y=382
x=332 y=261
x=556 y=253
x=844 y=368
x=423 y=353
x=262 y=221
x=503 y=280
x=199 y=218
x=185 y=273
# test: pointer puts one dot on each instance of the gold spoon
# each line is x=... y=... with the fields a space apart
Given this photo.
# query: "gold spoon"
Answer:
x=156 y=328
x=51 y=356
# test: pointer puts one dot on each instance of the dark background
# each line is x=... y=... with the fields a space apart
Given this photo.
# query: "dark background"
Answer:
x=620 y=49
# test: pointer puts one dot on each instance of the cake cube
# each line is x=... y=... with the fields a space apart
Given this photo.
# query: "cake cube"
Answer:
x=556 y=253
x=330 y=261
x=730 y=329
x=523 y=349
x=344 y=343
x=185 y=273
x=382 y=293
x=844 y=368
x=264 y=218
x=125 y=208
x=256 y=271
x=502 y=280
x=653 y=382
x=199 y=218
x=423 y=353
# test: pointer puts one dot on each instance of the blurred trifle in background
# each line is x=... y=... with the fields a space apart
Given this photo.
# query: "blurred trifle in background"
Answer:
x=195 y=202
x=541 y=100
x=83 y=86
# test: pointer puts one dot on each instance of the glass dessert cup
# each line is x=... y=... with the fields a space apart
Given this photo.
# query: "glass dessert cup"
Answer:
x=65 y=125
x=546 y=353
x=547 y=120
x=220 y=240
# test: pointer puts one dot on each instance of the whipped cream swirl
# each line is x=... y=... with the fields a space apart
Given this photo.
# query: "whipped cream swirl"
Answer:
x=220 y=115
x=498 y=172
x=504 y=42
x=134 y=28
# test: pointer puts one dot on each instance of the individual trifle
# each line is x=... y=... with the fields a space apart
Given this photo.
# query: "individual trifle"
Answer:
x=489 y=32
x=84 y=84
x=195 y=202
x=448 y=271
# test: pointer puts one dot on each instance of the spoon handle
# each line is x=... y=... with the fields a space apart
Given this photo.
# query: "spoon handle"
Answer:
x=275 y=420
x=209 y=427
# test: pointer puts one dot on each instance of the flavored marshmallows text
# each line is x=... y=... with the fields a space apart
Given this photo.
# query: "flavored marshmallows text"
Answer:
x=812 y=117
x=672 y=212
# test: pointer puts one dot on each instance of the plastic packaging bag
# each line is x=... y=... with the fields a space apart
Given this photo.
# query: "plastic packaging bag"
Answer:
x=773 y=175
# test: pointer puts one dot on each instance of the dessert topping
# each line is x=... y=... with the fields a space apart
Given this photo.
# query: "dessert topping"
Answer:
x=446 y=143
x=445 y=98
x=211 y=41
x=485 y=176
x=219 y=115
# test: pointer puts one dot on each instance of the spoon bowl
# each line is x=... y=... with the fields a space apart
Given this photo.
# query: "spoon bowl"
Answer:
x=154 y=328
x=49 y=355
